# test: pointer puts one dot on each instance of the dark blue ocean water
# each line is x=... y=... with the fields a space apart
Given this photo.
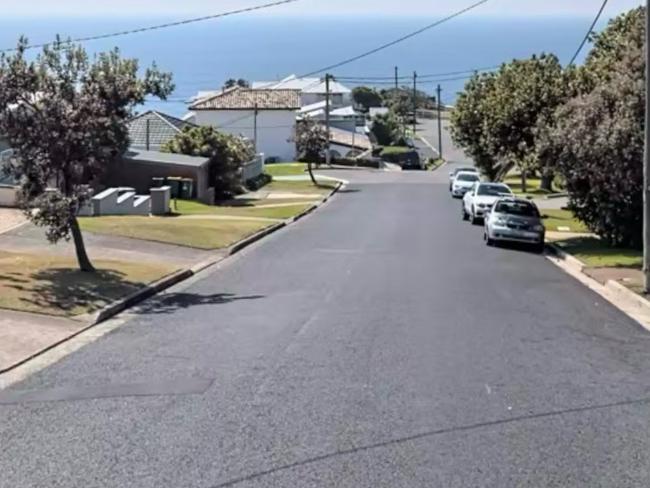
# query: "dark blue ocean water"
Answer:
x=203 y=55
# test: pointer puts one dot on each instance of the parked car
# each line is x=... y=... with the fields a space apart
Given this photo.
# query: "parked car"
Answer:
x=514 y=220
x=463 y=182
x=480 y=198
x=452 y=174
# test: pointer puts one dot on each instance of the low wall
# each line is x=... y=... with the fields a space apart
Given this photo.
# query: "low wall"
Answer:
x=253 y=168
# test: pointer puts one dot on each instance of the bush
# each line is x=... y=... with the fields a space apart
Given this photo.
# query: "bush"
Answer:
x=258 y=182
x=386 y=129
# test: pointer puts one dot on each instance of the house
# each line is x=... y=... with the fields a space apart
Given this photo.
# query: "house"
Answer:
x=265 y=116
x=346 y=118
x=152 y=130
x=312 y=90
x=137 y=168
x=374 y=111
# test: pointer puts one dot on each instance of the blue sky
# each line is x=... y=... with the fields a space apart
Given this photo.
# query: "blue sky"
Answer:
x=180 y=8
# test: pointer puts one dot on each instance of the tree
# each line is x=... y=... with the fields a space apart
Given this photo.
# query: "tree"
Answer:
x=597 y=139
x=386 y=129
x=467 y=123
x=231 y=83
x=66 y=116
x=227 y=154
x=366 y=97
x=311 y=143
x=524 y=94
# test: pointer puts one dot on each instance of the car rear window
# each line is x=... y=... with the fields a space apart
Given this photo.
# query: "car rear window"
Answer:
x=468 y=177
x=493 y=190
x=523 y=209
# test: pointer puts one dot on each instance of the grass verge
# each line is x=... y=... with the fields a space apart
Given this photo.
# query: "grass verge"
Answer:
x=555 y=219
x=388 y=150
x=53 y=285
x=286 y=169
x=202 y=233
x=284 y=210
x=596 y=253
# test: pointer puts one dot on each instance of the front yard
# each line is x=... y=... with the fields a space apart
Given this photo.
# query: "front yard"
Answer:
x=53 y=285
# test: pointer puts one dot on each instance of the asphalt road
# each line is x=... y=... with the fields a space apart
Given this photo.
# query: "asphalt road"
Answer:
x=378 y=343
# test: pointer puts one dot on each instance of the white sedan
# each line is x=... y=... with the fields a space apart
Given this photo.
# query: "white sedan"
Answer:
x=480 y=198
x=463 y=182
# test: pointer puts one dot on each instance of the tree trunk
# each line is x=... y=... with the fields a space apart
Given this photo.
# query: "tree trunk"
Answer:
x=311 y=172
x=80 y=248
x=547 y=182
x=524 y=183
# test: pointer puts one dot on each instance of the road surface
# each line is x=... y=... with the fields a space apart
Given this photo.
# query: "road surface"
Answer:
x=378 y=343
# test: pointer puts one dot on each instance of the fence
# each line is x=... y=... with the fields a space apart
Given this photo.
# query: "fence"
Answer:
x=253 y=168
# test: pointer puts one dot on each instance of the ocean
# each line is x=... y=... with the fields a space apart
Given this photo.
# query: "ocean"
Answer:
x=202 y=55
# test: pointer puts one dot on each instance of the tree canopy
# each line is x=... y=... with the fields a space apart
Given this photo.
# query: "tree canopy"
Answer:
x=65 y=116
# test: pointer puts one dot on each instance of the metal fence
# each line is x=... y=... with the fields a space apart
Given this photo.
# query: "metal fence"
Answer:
x=253 y=168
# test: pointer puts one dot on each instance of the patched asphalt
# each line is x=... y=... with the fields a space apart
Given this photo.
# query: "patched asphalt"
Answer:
x=377 y=343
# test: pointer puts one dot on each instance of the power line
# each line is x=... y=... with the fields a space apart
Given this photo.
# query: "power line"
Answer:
x=397 y=41
x=591 y=29
x=161 y=26
x=432 y=75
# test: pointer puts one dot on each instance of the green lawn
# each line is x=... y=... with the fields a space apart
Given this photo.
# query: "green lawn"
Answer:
x=53 y=285
x=562 y=218
x=430 y=166
x=595 y=253
x=532 y=186
x=286 y=169
x=388 y=150
x=249 y=209
x=202 y=233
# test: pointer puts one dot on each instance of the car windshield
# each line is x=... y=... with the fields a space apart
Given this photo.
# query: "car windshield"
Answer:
x=467 y=177
x=492 y=190
x=460 y=170
x=523 y=209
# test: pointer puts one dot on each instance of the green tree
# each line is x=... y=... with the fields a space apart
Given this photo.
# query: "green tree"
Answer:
x=597 y=138
x=232 y=82
x=227 y=154
x=311 y=143
x=386 y=129
x=366 y=97
x=468 y=129
x=66 y=117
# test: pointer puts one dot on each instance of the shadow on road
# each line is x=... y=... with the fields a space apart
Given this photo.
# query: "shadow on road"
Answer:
x=177 y=301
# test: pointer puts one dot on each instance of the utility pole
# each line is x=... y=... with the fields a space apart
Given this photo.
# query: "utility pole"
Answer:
x=396 y=78
x=256 y=111
x=415 y=101
x=148 y=134
x=439 y=94
x=646 y=160
x=328 y=156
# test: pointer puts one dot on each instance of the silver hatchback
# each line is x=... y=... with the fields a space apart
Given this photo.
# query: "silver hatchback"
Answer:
x=515 y=220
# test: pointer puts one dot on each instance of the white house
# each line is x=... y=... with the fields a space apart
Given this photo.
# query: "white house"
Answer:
x=266 y=117
x=312 y=90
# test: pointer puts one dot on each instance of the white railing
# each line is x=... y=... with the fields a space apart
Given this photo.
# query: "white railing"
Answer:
x=253 y=168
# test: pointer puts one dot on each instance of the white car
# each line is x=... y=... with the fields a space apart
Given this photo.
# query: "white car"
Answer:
x=452 y=174
x=463 y=182
x=480 y=198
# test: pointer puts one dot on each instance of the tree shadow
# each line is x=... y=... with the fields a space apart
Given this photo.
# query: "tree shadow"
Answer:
x=74 y=291
x=178 y=301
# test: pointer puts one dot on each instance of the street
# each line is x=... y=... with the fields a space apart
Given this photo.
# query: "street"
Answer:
x=376 y=343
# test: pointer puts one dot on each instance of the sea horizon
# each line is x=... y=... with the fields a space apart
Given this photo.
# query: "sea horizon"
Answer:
x=203 y=55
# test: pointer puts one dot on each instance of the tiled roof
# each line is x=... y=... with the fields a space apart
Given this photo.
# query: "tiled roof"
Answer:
x=162 y=128
x=239 y=98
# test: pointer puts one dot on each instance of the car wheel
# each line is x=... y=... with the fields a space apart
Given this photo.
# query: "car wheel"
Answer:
x=473 y=218
x=539 y=248
x=464 y=214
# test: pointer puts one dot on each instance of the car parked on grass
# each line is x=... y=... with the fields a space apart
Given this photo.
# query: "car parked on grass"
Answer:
x=480 y=198
x=452 y=174
x=514 y=220
x=463 y=182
